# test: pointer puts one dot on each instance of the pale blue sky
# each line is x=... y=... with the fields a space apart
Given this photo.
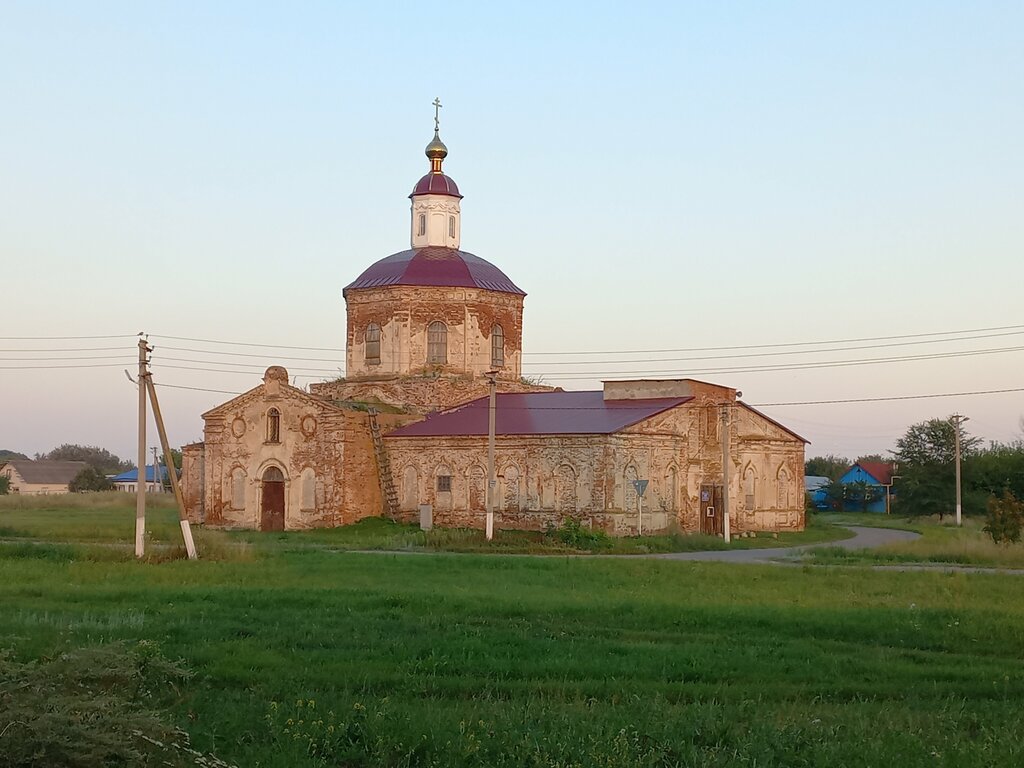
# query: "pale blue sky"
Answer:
x=692 y=175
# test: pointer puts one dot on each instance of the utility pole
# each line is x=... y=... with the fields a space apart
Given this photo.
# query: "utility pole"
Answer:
x=155 y=470
x=186 y=529
x=725 y=472
x=140 y=484
x=492 y=378
x=957 y=420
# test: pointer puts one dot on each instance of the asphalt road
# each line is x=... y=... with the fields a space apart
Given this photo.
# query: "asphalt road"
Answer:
x=863 y=538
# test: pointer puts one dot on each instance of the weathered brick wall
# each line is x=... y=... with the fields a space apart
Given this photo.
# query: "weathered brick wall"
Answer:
x=192 y=458
x=310 y=450
x=416 y=394
x=404 y=312
x=544 y=479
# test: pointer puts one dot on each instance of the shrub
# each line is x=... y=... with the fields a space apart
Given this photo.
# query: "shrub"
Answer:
x=573 y=534
x=90 y=479
x=1005 y=518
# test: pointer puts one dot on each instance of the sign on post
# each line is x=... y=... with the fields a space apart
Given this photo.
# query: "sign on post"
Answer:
x=640 y=486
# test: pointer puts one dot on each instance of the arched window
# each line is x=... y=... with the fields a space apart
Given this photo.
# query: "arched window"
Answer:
x=749 y=488
x=497 y=347
x=422 y=228
x=451 y=226
x=273 y=426
x=238 y=488
x=372 y=341
x=782 y=492
x=437 y=343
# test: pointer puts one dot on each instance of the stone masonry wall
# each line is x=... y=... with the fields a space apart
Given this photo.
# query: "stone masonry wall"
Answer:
x=404 y=312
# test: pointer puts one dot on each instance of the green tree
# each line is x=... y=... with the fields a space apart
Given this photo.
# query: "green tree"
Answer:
x=5 y=486
x=100 y=459
x=1005 y=518
x=875 y=457
x=836 y=495
x=828 y=466
x=6 y=455
x=90 y=479
x=926 y=456
x=997 y=468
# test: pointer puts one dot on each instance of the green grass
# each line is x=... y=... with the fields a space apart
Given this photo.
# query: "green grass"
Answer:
x=109 y=518
x=940 y=543
x=469 y=660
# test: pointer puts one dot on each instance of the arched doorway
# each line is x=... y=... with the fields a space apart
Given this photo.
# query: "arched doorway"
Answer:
x=272 y=500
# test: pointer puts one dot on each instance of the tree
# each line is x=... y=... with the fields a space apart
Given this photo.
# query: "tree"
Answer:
x=926 y=455
x=828 y=466
x=100 y=459
x=836 y=495
x=997 y=468
x=6 y=455
x=5 y=486
x=90 y=479
x=872 y=457
x=1005 y=518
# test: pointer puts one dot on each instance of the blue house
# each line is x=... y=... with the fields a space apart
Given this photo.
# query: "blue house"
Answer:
x=815 y=486
x=127 y=481
x=877 y=474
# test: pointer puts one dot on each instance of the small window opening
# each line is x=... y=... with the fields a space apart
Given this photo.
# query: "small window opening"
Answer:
x=273 y=426
x=372 y=340
x=422 y=226
x=451 y=226
x=497 y=347
x=444 y=483
x=437 y=343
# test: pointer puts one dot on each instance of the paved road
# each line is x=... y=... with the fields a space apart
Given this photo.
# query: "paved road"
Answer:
x=863 y=538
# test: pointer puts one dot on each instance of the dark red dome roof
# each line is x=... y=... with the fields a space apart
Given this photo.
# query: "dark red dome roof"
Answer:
x=435 y=266
x=436 y=184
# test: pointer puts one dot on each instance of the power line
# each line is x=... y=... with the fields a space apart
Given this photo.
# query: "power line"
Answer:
x=68 y=349
x=932 y=334
x=247 y=344
x=199 y=389
x=786 y=344
x=894 y=397
x=44 y=367
x=787 y=352
x=66 y=338
x=770 y=368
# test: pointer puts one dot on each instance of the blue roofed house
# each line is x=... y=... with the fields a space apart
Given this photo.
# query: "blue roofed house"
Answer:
x=128 y=481
x=877 y=475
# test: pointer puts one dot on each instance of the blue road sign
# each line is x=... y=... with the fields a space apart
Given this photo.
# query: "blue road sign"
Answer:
x=641 y=486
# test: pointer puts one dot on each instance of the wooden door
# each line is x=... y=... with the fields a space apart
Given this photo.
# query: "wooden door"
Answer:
x=711 y=520
x=272 y=512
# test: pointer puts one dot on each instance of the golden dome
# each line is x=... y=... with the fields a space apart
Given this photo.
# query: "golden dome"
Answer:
x=436 y=150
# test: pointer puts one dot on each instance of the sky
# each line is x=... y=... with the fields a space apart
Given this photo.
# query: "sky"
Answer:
x=738 y=178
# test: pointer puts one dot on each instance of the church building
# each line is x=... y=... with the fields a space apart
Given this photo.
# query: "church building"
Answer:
x=427 y=330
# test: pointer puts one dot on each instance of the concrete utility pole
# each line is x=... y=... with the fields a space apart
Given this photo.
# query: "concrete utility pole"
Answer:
x=140 y=478
x=725 y=472
x=492 y=378
x=957 y=420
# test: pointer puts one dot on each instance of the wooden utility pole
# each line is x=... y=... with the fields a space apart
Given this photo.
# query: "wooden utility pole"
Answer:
x=140 y=478
x=186 y=529
x=492 y=377
x=725 y=473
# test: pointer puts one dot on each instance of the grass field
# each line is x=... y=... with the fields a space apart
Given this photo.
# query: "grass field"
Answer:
x=306 y=656
x=940 y=543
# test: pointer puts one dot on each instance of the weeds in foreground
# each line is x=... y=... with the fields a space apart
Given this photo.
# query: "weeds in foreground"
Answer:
x=89 y=706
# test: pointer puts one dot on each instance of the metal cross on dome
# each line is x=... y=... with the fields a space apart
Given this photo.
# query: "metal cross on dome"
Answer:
x=437 y=106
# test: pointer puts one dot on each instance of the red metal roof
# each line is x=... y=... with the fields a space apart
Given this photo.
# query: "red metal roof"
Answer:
x=879 y=470
x=435 y=266
x=540 y=413
x=436 y=184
